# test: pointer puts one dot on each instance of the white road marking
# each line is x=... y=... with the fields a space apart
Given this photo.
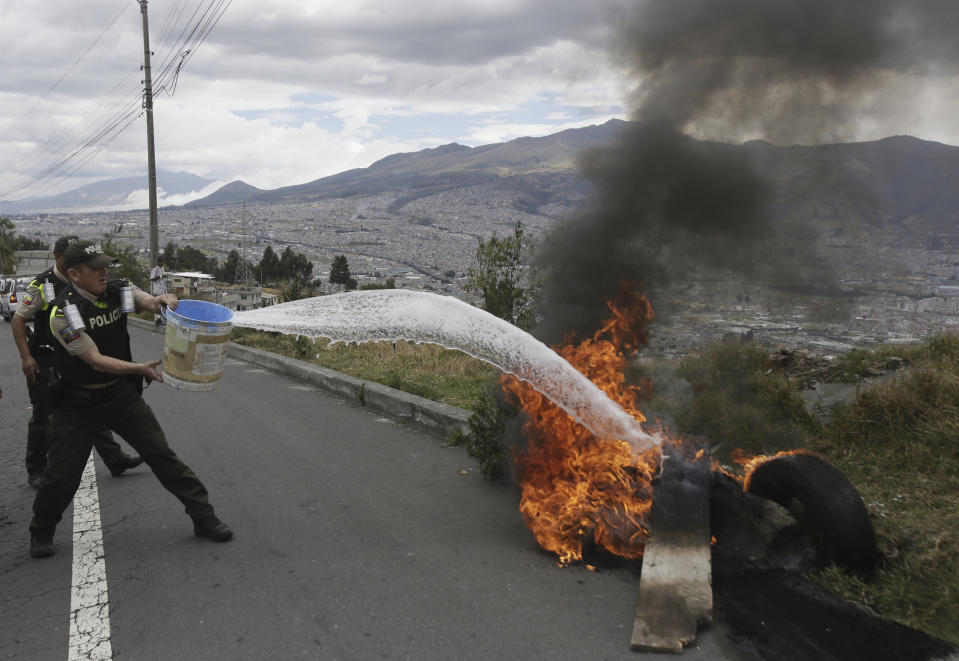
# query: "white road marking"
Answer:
x=89 y=606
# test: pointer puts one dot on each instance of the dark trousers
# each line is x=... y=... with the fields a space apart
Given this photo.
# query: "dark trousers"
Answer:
x=73 y=426
x=37 y=429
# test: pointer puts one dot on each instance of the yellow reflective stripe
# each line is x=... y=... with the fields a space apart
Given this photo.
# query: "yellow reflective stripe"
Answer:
x=101 y=304
x=36 y=284
x=53 y=312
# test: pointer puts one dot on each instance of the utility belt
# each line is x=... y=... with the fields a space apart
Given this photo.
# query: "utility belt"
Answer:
x=77 y=395
x=40 y=351
x=33 y=344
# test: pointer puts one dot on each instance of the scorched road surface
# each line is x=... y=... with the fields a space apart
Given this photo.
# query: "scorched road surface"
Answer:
x=356 y=538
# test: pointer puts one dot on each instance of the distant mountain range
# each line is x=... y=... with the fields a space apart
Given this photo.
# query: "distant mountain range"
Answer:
x=541 y=167
x=904 y=183
x=125 y=193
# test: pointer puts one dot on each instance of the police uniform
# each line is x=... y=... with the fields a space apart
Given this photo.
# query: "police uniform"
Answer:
x=92 y=399
x=35 y=307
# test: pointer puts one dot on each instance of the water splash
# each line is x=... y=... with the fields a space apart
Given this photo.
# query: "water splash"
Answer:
x=399 y=314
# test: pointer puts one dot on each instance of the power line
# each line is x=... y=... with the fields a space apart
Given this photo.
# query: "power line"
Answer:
x=99 y=138
x=210 y=18
x=65 y=73
x=58 y=141
x=170 y=22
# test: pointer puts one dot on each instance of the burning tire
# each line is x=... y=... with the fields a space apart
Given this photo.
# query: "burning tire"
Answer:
x=822 y=499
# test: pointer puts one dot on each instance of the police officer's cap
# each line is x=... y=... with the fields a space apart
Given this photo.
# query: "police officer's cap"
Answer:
x=63 y=243
x=87 y=253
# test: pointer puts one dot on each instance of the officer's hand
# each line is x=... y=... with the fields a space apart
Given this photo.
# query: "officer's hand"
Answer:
x=150 y=371
x=30 y=368
x=168 y=301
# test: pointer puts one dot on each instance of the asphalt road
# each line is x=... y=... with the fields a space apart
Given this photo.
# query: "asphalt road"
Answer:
x=356 y=538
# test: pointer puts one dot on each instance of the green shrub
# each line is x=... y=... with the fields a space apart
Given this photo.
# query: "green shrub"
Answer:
x=899 y=445
x=738 y=400
x=484 y=440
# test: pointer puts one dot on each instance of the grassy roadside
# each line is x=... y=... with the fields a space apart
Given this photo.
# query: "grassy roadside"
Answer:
x=897 y=442
x=899 y=445
x=427 y=370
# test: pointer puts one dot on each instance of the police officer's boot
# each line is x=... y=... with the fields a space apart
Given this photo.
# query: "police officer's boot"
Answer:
x=125 y=463
x=212 y=528
x=41 y=543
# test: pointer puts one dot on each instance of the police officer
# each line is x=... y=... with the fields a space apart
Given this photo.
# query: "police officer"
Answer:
x=36 y=355
x=102 y=386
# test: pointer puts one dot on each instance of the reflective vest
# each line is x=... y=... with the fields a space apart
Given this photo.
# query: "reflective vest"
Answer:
x=41 y=320
x=106 y=325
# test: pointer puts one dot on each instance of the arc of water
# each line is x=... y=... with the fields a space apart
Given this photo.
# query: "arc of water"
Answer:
x=399 y=314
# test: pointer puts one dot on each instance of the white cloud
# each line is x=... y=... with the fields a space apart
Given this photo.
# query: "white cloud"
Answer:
x=284 y=92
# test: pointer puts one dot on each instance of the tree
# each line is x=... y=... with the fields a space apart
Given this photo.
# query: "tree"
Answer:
x=389 y=284
x=23 y=243
x=340 y=271
x=496 y=276
x=7 y=245
x=227 y=272
x=269 y=267
x=295 y=266
x=171 y=257
x=10 y=243
x=129 y=267
x=191 y=259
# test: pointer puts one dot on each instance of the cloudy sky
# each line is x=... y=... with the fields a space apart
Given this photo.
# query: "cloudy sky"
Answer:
x=280 y=92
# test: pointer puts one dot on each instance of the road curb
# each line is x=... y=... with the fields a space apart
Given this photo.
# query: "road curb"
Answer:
x=431 y=417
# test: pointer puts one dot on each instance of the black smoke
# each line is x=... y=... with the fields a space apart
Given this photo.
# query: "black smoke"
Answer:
x=667 y=208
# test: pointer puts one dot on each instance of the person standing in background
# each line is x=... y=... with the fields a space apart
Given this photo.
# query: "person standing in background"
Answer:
x=158 y=286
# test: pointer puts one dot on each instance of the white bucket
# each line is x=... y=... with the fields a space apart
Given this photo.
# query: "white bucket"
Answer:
x=197 y=333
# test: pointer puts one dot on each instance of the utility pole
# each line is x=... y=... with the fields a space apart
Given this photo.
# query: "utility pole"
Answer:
x=151 y=153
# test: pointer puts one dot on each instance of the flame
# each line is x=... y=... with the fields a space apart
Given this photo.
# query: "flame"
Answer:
x=577 y=489
x=750 y=462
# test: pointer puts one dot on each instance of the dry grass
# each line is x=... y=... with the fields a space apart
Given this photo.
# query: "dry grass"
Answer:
x=426 y=370
x=898 y=443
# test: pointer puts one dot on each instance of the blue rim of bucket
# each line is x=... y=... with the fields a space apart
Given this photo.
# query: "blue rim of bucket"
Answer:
x=200 y=312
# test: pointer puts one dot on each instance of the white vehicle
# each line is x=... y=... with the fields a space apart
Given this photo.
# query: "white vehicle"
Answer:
x=13 y=289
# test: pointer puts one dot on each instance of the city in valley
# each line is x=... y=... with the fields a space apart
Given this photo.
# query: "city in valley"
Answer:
x=893 y=290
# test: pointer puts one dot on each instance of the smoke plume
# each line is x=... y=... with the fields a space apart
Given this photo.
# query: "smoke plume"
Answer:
x=666 y=206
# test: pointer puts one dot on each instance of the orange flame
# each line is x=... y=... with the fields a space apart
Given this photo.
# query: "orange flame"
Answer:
x=750 y=462
x=577 y=489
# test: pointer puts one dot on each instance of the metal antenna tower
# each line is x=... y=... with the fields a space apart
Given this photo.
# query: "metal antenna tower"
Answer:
x=243 y=275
